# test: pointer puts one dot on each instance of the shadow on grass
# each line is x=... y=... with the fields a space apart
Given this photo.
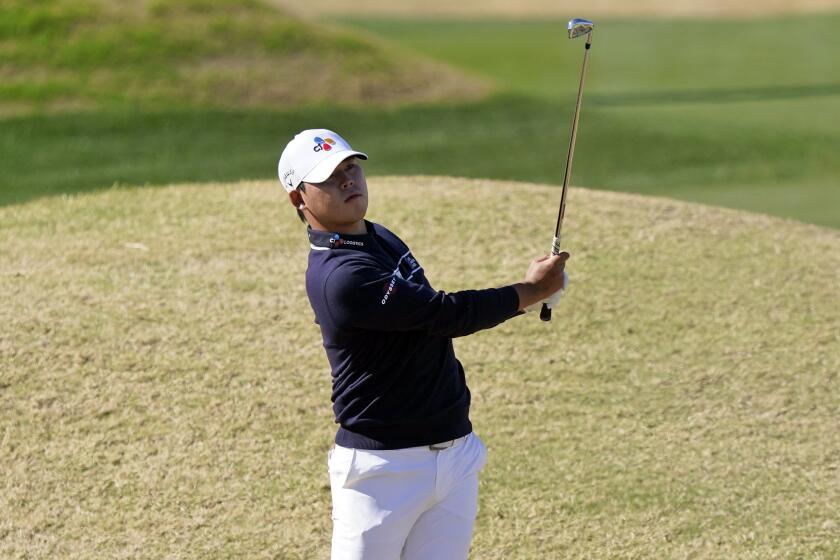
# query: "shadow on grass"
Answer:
x=504 y=137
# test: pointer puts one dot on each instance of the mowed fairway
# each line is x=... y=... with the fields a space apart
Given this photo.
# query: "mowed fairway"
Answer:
x=727 y=112
x=164 y=392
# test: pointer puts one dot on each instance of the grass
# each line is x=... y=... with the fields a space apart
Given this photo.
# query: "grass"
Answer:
x=164 y=392
x=508 y=137
x=632 y=57
x=94 y=55
x=673 y=108
x=685 y=102
x=536 y=9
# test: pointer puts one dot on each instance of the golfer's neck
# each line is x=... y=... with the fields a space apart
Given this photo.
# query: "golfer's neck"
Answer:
x=355 y=228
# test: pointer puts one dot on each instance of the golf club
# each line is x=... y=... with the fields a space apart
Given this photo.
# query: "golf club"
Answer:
x=577 y=28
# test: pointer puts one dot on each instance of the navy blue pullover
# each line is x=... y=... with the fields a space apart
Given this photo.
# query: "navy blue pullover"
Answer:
x=388 y=337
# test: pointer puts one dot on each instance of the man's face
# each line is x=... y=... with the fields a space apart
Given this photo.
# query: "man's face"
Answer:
x=342 y=199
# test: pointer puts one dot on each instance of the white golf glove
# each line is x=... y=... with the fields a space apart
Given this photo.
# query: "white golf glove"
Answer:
x=551 y=300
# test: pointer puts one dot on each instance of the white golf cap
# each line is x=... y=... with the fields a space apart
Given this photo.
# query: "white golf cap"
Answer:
x=312 y=156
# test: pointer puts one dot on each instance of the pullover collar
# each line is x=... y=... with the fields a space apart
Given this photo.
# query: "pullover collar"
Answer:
x=327 y=240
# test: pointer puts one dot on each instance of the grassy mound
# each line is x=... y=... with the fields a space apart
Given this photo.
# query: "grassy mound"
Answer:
x=164 y=392
x=72 y=54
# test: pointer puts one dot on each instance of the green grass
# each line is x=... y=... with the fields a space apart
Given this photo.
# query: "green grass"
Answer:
x=740 y=114
x=164 y=391
x=736 y=113
x=678 y=155
x=650 y=56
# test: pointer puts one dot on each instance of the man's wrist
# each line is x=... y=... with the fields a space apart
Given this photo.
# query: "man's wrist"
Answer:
x=528 y=294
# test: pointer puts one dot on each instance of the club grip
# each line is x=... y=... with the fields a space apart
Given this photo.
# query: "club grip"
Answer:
x=545 y=313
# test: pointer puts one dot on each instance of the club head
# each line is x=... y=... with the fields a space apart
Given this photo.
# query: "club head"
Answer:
x=578 y=27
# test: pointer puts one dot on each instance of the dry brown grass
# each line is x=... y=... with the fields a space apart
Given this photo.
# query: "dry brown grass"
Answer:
x=164 y=392
x=313 y=79
x=559 y=9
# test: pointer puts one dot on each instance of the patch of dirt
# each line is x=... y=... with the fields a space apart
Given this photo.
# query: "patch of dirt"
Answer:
x=561 y=9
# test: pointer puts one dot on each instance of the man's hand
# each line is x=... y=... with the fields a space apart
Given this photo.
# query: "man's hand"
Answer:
x=551 y=300
x=545 y=277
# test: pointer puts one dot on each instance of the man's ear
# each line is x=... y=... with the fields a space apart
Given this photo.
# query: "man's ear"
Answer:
x=296 y=199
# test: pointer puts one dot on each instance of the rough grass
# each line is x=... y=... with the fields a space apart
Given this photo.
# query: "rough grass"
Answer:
x=164 y=392
x=59 y=55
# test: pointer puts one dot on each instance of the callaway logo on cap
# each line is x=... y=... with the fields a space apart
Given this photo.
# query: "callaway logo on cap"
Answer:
x=312 y=156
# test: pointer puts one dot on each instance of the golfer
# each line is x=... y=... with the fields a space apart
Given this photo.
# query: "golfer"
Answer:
x=404 y=468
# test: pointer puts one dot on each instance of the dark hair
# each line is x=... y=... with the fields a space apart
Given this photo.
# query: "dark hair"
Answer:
x=301 y=188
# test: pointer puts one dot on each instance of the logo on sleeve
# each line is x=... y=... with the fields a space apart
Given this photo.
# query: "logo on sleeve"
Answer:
x=390 y=288
x=407 y=267
x=324 y=144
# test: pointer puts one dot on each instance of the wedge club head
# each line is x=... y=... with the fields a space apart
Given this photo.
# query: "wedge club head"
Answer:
x=578 y=27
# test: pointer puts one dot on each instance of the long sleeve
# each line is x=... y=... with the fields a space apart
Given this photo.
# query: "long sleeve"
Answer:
x=363 y=296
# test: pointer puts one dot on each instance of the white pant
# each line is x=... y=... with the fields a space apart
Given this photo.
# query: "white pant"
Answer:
x=408 y=504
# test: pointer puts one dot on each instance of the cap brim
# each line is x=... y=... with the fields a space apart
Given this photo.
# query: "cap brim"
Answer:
x=325 y=168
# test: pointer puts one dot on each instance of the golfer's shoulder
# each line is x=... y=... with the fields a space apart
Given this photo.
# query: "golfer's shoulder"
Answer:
x=389 y=237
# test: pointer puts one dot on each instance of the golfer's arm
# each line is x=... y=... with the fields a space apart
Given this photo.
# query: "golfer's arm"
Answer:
x=365 y=298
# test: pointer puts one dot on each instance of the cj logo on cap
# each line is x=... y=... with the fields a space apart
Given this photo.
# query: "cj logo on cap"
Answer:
x=325 y=144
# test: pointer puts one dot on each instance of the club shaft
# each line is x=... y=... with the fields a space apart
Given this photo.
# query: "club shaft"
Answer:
x=570 y=156
x=545 y=312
